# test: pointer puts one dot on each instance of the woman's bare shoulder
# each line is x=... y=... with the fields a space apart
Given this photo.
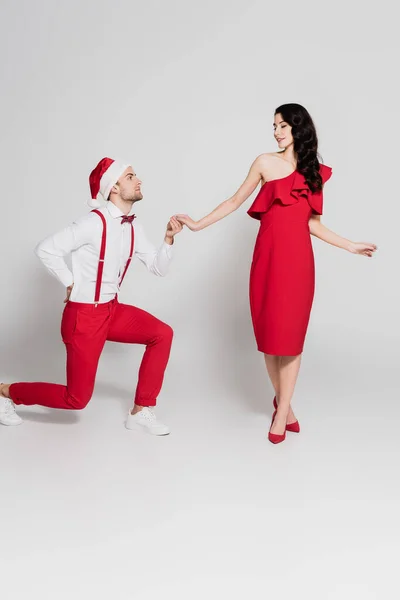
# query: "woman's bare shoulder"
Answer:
x=268 y=158
x=267 y=164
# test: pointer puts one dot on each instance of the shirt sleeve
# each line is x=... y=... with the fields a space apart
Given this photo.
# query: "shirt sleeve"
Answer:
x=156 y=260
x=52 y=250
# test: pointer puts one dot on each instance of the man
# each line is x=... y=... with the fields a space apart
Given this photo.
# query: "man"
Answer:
x=102 y=244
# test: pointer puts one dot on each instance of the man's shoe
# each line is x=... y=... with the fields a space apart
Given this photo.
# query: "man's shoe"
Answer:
x=146 y=420
x=8 y=415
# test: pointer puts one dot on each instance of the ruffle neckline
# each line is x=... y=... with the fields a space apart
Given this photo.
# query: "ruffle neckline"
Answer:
x=288 y=190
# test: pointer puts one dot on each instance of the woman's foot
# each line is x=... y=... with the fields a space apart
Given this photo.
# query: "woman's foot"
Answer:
x=277 y=432
x=278 y=423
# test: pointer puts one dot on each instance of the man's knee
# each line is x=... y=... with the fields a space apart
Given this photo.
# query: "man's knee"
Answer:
x=77 y=402
x=168 y=332
x=163 y=335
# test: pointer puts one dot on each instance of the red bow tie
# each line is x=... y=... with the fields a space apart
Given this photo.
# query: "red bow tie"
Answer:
x=127 y=219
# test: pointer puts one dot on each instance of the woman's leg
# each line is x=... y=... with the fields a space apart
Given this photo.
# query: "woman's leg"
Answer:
x=273 y=364
x=288 y=372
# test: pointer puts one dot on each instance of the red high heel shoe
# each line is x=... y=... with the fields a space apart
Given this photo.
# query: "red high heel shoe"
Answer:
x=293 y=427
x=275 y=438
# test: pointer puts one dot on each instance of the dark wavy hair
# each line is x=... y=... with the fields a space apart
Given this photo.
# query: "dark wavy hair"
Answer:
x=305 y=142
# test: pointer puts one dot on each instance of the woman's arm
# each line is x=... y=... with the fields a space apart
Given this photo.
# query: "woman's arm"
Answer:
x=228 y=206
x=326 y=235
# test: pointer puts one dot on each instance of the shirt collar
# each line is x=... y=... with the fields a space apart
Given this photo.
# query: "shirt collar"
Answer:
x=115 y=212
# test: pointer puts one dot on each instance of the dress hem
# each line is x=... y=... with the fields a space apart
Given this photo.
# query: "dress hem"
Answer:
x=280 y=353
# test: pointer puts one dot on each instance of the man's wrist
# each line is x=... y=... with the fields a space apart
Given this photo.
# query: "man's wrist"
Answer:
x=169 y=240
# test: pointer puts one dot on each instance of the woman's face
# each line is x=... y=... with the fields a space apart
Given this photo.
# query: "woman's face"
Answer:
x=282 y=132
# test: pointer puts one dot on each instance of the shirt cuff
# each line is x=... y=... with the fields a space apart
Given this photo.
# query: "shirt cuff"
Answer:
x=167 y=248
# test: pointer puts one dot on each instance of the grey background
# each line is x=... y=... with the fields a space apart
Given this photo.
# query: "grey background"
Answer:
x=186 y=92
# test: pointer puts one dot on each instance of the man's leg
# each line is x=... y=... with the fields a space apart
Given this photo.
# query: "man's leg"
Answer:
x=132 y=325
x=84 y=333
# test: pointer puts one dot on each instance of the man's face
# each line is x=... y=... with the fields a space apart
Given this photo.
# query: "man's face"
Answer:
x=129 y=186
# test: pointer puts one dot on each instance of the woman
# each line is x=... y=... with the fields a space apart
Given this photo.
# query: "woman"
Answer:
x=288 y=205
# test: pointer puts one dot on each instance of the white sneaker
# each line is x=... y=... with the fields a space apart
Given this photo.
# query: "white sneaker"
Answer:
x=8 y=416
x=146 y=420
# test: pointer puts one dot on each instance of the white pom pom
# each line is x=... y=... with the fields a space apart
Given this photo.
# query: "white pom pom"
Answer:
x=94 y=203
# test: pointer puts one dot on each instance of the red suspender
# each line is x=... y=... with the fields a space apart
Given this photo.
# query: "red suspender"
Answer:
x=102 y=255
x=128 y=262
x=101 y=258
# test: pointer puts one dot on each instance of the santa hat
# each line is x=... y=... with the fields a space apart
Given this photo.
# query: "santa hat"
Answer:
x=102 y=179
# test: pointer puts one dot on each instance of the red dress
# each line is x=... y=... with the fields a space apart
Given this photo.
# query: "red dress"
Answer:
x=282 y=276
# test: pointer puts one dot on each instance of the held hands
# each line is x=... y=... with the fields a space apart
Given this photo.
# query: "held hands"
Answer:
x=190 y=224
x=363 y=248
x=69 y=290
x=173 y=227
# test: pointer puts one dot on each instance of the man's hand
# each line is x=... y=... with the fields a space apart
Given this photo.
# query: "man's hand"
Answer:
x=69 y=290
x=173 y=228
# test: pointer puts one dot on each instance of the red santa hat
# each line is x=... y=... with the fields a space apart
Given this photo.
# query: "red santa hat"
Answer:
x=102 y=179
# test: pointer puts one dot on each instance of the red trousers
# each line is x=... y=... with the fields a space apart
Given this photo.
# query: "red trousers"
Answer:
x=85 y=328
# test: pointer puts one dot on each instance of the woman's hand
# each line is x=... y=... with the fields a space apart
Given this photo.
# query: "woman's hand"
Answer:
x=186 y=220
x=330 y=237
x=364 y=248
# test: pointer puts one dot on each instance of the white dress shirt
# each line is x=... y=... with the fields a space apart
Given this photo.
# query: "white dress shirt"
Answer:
x=82 y=239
